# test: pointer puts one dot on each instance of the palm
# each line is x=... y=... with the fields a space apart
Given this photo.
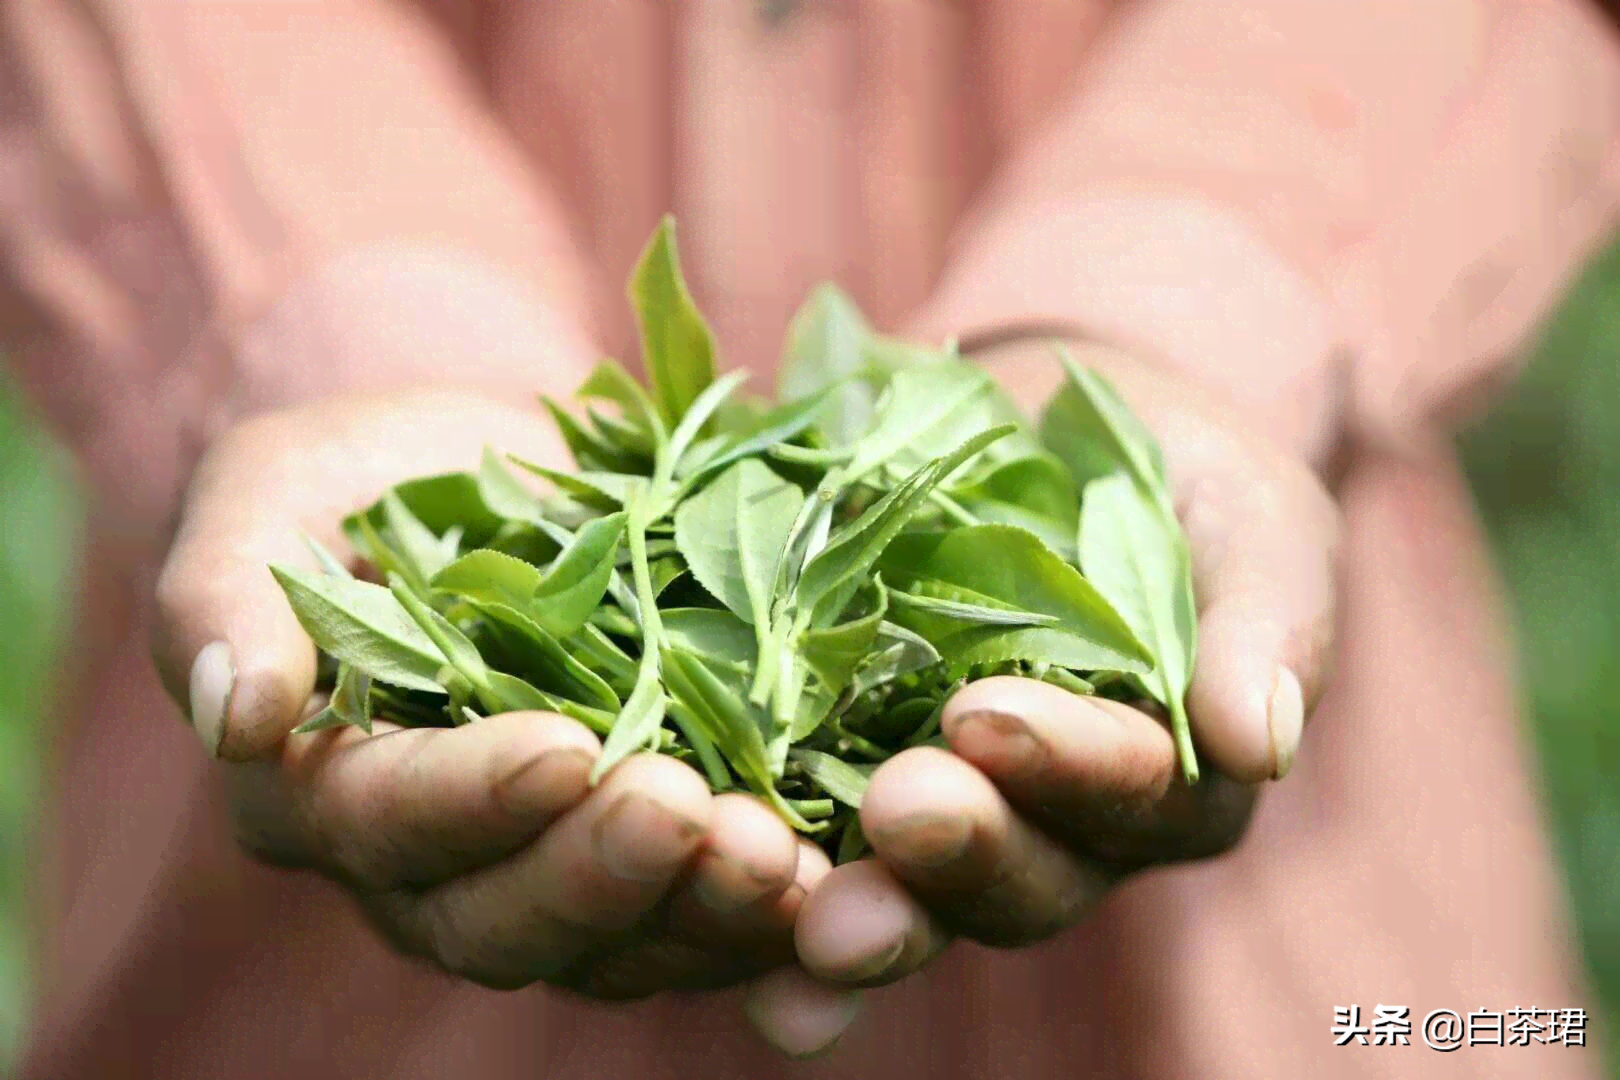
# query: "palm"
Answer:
x=482 y=848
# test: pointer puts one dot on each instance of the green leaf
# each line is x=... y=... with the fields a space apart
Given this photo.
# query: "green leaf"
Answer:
x=350 y=704
x=834 y=652
x=717 y=637
x=1012 y=567
x=486 y=574
x=922 y=414
x=363 y=625
x=780 y=425
x=537 y=653
x=597 y=650
x=824 y=353
x=629 y=441
x=1036 y=492
x=441 y=503
x=503 y=493
x=843 y=781
x=508 y=693
x=329 y=562
x=963 y=605
x=381 y=552
x=1092 y=431
x=696 y=419
x=851 y=551
x=573 y=586
x=733 y=724
x=605 y=490
x=456 y=646
x=896 y=651
x=665 y=572
x=1138 y=560
x=637 y=724
x=609 y=381
x=732 y=533
x=852 y=844
x=419 y=546
x=591 y=452
x=676 y=343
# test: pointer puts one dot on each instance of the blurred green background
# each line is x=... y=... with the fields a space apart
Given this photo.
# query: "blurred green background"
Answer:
x=1546 y=472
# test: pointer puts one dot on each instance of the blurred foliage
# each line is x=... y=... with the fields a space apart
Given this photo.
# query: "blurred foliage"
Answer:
x=1546 y=472
x=38 y=527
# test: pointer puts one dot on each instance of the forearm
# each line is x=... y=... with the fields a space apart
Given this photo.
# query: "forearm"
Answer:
x=1337 y=213
x=216 y=208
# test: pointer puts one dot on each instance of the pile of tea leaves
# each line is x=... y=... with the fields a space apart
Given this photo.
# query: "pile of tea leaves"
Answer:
x=783 y=595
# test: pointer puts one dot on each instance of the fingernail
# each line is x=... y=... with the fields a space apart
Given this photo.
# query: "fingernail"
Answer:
x=726 y=886
x=546 y=784
x=870 y=967
x=998 y=742
x=640 y=839
x=927 y=839
x=213 y=678
x=800 y=1017
x=1285 y=719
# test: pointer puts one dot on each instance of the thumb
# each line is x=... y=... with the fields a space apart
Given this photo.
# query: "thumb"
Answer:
x=226 y=641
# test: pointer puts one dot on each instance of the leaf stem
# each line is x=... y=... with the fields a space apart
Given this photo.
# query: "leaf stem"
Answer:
x=714 y=766
x=814 y=809
x=864 y=747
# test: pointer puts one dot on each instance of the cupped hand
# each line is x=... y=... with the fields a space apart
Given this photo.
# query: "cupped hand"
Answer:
x=481 y=848
x=1047 y=799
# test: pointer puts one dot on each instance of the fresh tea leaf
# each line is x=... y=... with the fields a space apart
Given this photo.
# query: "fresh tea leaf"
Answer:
x=696 y=418
x=850 y=552
x=636 y=727
x=843 y=781
x=362 y=625
x=606 y=490
x=896 y=651
x=590 y=451
x=718 y=638
x=350 y=705
x=542 y=658
x=921 y=416
x=329 y=562
x=414 y=541
x=609 y=381
x=441 y=503
x=1091 y=429
x=834 y=652
x=503 y=493
x=1012 y=567
x=486 y=574
x=676 y=343
x=732 y=534
x=1139 y=561
x=963 y=605
x=824 y=353
x=733 y=724
x=574 y=585
x=456 y=646
x=779 y=426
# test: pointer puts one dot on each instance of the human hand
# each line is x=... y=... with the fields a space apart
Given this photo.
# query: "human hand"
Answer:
x=1048 y=799
x=481 y=848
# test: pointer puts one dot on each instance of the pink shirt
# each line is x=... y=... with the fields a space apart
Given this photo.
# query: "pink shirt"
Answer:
x=1326 y=208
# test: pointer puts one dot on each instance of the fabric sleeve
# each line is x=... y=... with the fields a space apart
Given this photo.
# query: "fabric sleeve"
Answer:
x=192 y=192
x=1340 y=213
